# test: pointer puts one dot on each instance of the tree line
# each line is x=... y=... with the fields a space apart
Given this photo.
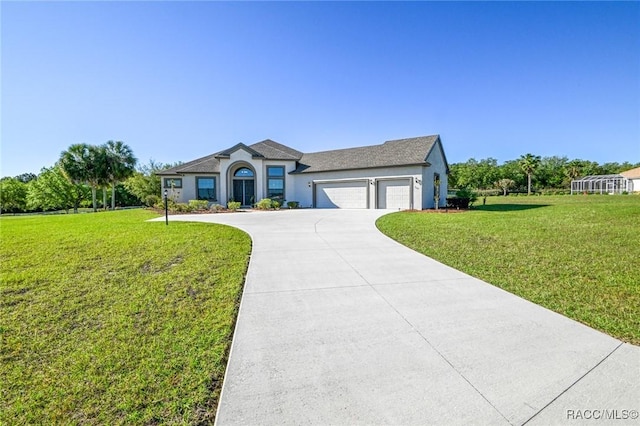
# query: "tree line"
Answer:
x=528 y=173
x=76 y=178
x=84 y=169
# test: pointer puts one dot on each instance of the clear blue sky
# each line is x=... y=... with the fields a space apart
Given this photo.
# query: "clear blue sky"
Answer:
x=176 y=81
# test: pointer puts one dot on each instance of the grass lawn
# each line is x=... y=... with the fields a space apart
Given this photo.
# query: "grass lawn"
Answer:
x=577 y=255
x=108 y=319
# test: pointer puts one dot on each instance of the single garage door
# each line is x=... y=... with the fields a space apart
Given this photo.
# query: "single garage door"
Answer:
x=344 y=195
x=394 y=194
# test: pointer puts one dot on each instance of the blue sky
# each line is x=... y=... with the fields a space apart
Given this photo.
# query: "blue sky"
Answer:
x=176 y=81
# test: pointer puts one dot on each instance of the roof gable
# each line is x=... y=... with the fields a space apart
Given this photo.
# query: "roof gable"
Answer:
x=438 y=145
x=237 y=147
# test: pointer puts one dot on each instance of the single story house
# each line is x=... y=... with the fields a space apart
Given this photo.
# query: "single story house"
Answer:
x=398 y=174
x=633 y=176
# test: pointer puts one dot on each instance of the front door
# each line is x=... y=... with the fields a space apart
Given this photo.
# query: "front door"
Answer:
x=244 y=190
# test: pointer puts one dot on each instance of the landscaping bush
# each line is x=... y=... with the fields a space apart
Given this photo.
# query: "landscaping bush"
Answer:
x=217 y=208
x=464 y=198
x=233 y=205
x=199 y=204
x=182 y=208
x=264 y=204
x=457 y=203
x=160 y=204
x=151 y=200
x=293 y=204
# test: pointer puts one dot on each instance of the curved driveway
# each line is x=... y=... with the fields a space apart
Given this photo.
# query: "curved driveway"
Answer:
x=341 y=325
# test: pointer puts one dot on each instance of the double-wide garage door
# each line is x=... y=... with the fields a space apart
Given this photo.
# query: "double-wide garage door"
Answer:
x=344 y=195
x=390 y=194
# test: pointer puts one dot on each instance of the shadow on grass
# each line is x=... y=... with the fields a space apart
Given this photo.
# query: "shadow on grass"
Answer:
x=508 y=207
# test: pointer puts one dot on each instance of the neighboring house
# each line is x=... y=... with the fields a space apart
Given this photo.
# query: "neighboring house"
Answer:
x=398 y=174
x=628 y=181
x=633 y=176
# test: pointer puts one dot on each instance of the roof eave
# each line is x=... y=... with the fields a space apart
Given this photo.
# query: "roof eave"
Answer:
x=308 y=170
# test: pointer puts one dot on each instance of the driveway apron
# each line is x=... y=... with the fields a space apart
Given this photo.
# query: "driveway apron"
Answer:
x=341 y=325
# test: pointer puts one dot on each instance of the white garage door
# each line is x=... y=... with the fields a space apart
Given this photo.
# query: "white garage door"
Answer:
x=394 y=194
x=345 y=195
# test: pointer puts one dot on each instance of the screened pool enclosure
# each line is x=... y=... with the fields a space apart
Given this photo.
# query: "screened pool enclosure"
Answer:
x=601 y=184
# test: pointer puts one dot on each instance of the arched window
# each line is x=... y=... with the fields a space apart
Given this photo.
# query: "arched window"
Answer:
x=243 y=172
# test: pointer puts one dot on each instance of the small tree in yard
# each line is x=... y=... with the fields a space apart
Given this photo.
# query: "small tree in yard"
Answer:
x=505 y=184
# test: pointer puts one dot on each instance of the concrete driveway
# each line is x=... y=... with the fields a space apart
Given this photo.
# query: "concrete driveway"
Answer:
x=341 y=325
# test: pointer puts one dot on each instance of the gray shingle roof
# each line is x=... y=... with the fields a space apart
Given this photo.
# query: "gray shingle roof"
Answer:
x=267 y=149
x=400 y=152
x=272 y=150
x=208 y=164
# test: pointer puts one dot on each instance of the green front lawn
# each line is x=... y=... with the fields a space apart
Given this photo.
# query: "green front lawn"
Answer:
x=577 y=255
x=108 y=319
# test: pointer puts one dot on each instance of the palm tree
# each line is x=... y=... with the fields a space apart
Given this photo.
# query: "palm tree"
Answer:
x=573 y=169
x=83 y=163
x=529 y=163
x=120 y=165
x=73 y=163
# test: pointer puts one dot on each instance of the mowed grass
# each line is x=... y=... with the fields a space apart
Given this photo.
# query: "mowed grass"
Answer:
x=108 y=319
x=577 y=255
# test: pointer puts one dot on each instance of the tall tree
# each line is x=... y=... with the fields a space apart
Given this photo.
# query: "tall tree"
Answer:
x=26 y=177
x=511 y=170
x=52 y=191
x=13 y=195
x=550 y=173
x=529 y=163
x=83 y=163
x=145 y=182
x=573 y=169
x=121 y=164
